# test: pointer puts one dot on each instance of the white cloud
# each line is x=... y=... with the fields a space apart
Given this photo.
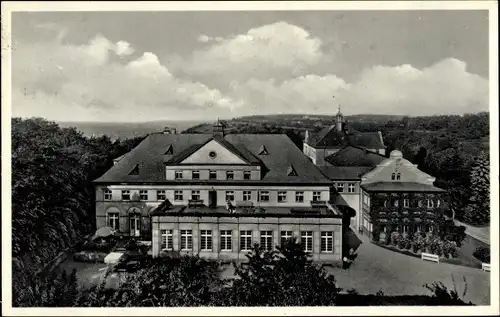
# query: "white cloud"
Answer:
x=61 y=81
x=123 y=48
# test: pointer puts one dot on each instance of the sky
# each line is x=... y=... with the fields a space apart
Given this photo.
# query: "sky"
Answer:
x=145 y=66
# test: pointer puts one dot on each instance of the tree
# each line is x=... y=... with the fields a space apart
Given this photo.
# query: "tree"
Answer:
x=478 y=210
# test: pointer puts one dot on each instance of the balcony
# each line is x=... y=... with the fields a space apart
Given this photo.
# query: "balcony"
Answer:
x=196 y=203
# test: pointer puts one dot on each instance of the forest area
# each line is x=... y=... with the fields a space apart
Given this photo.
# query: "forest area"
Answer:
x=53 y=167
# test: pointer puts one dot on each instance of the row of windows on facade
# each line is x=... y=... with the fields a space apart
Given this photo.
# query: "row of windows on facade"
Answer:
x=262 y=195
x=246 y=240
x=419 y=203
x=212 y=175
x=351 y=187
x=409 y=228
x=396 y=176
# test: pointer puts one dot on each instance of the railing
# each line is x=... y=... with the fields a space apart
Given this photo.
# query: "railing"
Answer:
x=430 y=257
x=485 y=267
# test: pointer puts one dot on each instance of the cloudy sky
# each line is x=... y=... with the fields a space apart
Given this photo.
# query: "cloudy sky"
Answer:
x=124 y=66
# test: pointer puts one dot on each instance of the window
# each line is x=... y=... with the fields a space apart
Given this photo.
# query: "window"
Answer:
x=264 y=196
x=245 y=240
x=299 y=197
x=266 y=239
x=196 y=175
x=206 y=240
x=125 y=194
x=229 y=195
x=167 y=240
x=212 y=175
x=178 y=195
x=113 y=220
x=186 y=240
x=327 y=241
x=385 y=202
x=316 y=196
x=366 y=199
x=428 y=228
x=281 y=197
x=438 y=203
x=340 y=187
x=247 y=195
x=393 y=176
x=420 y=203
x=405 y=229
x=398 y=176
x=108 y=195
x=195 y=195
x=351 y=188
x=160 y=195
x=383 y=228
x=406 y=202
x=285 y=235
x=226 y=242
x=247 y=175
x=419 y=228
x=430 y=203
x=143 y=195
x=229 y=175
x=306 y=239
x=396 y=203
x=178 y=174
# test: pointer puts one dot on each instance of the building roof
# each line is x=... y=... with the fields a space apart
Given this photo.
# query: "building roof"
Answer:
x=344 y=172
x=150 y=158
x=354 y=156
x=331 y=137
x=401 y=187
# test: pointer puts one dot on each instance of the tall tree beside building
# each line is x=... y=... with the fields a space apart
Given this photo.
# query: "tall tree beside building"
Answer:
x=478 y=210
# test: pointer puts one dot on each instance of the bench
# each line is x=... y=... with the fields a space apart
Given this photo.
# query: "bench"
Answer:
x=430 y=257
x=192 y=203
x=244 y=204
x=485 y=267
x=318 y=203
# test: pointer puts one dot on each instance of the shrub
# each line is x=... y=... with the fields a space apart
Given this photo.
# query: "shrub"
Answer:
x=482 y=254
x=395 y=237
x=89 y=256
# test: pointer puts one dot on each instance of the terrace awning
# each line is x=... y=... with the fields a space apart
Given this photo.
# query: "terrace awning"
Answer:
x=342 y=205
x=113 y=257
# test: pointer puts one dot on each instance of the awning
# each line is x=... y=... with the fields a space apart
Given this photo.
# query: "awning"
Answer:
x=103 y=232
x=113 y=257
x=352 y=240
x=342 y=205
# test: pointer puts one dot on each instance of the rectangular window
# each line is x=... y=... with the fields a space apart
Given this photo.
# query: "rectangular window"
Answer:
x=167 y=240
x=226 y=240
x=212 y=175
x=285 y=235
x=143 y=195
x=247 y=195
x=393 y=176
x=229 y=195
x=264 y=195
x=266 y=240
x=195 y=195
x=160 y=195
x=178 y=174
x=316 y=196
x=125 y=194
x=196 y=175
x=247 y=175
x=398 y=176
x=306 y=239
x=396 y=203
x=281 y=197
x=405 y=229
x=245 y=240
x=430 y=203
x=113 y=220
x=206 y=240
x=351 y=188
x=108 y=195
x=299 y=197
x=178 y=195
x=229 y=175
x=186 y=240
x=340 y=187
x=327 y=241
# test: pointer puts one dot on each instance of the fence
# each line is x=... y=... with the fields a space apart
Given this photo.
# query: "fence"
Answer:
x=430 y=257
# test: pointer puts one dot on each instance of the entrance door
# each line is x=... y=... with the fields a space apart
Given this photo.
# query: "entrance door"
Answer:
x=135 y=225
x=212 y=199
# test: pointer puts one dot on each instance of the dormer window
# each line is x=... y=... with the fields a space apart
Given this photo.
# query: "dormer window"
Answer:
x=398 y=176
x=393 y=176
x=135 y=170
x=263 y=150
x=169 y=151
x=291 y=171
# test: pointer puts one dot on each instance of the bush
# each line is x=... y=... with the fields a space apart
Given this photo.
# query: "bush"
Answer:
x=395 y=238
x=482 y=254
x=89 y=256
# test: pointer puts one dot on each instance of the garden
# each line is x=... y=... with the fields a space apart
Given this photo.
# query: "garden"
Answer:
x=422 y=242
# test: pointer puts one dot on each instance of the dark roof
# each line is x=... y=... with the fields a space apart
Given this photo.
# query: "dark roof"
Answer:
x=355 y=156
x=401 y=187
x=330 y=137
x=345 y=172
x=282 y=153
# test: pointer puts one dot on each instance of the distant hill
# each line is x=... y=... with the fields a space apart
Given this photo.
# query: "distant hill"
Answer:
x=293 y=117
x=125 y=130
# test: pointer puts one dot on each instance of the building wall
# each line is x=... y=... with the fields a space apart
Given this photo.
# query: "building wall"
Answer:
x=223 y=155
x=408 y=172
x=352 y=198
x=254 y=224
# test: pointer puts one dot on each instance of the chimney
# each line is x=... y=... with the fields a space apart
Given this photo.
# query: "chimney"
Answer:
x=168 y=130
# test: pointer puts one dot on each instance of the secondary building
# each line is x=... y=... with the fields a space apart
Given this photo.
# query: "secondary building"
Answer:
x=200 y=190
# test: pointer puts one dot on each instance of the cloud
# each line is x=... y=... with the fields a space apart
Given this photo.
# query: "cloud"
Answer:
x=61 y=80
